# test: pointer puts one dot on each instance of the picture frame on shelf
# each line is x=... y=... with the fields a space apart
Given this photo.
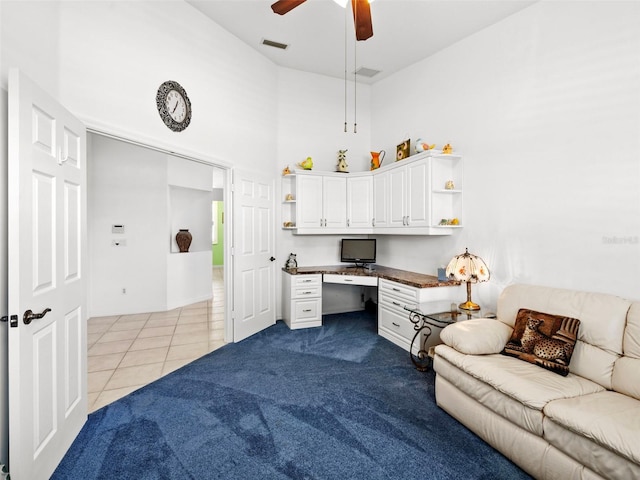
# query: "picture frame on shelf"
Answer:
x=403 y=150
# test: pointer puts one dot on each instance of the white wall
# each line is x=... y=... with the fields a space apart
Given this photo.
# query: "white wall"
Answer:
x=311 y=123
x=544 y=106
x=105 y=61
x=152 y=195
x=4 y=283
x=127 y=185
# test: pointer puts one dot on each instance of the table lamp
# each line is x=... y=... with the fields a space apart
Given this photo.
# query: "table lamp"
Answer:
x=468 y=268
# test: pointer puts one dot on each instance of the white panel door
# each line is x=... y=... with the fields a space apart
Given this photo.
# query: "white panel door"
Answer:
x=253 y=260
x=47 y=272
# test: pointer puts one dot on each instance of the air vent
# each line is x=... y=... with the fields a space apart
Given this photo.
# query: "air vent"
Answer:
x=366 y=72
x=271 y=43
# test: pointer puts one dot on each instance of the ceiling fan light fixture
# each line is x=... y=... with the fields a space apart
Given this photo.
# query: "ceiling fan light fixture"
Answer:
x=342 y=3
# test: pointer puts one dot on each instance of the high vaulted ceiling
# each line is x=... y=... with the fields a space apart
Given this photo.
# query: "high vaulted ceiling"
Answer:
x=404 y=31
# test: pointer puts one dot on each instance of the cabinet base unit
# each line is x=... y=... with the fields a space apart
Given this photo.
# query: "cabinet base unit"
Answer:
x=393 y=319
x=302 y=300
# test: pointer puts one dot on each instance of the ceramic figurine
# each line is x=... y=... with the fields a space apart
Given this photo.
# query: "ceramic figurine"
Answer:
x=376 y=159
x=447 y=148
x=307 y=164
x=291 y=262
x=342 y=162
x=286 y=171
x=422 y=146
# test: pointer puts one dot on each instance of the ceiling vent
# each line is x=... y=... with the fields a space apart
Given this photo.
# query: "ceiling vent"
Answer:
x=271 y=43
x=366 y=72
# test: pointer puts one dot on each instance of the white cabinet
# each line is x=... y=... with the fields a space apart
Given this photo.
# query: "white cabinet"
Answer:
x=302 y=300
x=334 y=201
x=393 y=319
x=421 y=195
x=321 y=203
x=381 y=197
x=409 y=195
x=359 y=202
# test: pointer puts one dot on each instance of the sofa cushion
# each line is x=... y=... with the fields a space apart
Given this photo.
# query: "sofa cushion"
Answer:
x=631 y=343
x=609 y=419
x=478 y=336
x=543 y=339
x=602 y=322
x=522 y=381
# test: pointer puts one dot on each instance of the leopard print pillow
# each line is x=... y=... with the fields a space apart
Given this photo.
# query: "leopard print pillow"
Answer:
x=543 y=339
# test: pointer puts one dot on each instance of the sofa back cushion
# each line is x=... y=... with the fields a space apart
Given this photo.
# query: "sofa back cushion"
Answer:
x=602 y=324
x=626 y=372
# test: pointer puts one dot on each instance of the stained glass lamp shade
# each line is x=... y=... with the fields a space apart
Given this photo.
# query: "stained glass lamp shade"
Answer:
x=470 y=269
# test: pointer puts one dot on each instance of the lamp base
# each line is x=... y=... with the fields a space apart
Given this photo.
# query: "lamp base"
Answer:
x=469 y=305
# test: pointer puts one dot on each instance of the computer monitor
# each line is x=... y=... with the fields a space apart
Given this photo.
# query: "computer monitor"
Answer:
x=358 y=250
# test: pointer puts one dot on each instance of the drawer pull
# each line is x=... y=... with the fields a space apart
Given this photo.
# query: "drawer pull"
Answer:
x=307 y=281
x=306 y=310
x=395 y=324
x=395 y=289
x=348 y=279
x=307 y=293
x=396 y=303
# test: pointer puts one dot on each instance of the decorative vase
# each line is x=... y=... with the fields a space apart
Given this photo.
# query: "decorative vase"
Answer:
x=183 y=239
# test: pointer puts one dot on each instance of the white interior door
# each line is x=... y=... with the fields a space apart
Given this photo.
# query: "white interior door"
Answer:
x=253 y=259
x=47 y=270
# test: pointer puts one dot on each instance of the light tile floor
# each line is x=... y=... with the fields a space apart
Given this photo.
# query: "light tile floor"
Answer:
x=127 y=352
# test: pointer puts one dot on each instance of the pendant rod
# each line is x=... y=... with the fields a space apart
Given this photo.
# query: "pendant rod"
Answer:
x=345 y=72
x=355 y=79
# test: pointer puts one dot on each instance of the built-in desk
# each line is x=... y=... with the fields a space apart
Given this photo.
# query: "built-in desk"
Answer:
x=302 y=295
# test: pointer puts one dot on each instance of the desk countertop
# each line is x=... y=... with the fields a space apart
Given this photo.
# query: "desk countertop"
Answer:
x=413 y=279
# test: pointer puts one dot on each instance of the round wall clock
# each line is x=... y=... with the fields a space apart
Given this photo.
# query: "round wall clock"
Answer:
x=174 y=106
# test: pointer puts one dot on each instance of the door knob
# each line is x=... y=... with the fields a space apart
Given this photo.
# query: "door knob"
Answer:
x=29 y=316
x=272 y=258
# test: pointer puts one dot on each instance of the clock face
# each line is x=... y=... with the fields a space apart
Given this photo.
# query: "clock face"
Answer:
x=176 y=106
x=173 y=106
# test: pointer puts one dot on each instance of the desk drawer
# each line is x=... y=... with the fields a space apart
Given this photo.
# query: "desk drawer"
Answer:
x=306 y=291
x=351 y=279
x=306 y=280
x=399 y=290
x=397 y=324
x=307 y=309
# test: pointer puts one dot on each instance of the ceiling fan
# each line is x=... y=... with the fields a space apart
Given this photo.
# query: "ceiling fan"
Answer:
x=361 y=14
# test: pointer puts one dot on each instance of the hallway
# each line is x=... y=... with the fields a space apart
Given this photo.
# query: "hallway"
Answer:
x=127 y=352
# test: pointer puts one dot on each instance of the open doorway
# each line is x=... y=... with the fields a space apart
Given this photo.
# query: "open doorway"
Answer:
x=152 y=307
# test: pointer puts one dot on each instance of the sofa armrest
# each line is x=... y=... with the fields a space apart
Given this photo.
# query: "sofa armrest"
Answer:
x=478 y=336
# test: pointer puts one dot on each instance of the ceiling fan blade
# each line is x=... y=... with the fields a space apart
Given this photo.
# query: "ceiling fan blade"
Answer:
x=362 y=19
x=283 y=6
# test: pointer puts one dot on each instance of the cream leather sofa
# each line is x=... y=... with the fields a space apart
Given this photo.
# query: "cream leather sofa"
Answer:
x=585 y=425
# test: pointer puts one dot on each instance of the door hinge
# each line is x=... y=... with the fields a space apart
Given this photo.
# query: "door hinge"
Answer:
x=13 y=320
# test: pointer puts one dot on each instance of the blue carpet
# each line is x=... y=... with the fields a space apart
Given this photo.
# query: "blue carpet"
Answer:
x=335 y=402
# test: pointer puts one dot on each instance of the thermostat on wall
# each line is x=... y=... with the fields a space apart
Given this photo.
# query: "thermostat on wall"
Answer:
x=117 y=228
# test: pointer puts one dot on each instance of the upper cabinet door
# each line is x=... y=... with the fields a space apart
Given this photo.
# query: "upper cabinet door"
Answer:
x=418 y=193
x=381 y=200
x=335 y=202
x=360 y=202
x=397 y=198
x=309 y=203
